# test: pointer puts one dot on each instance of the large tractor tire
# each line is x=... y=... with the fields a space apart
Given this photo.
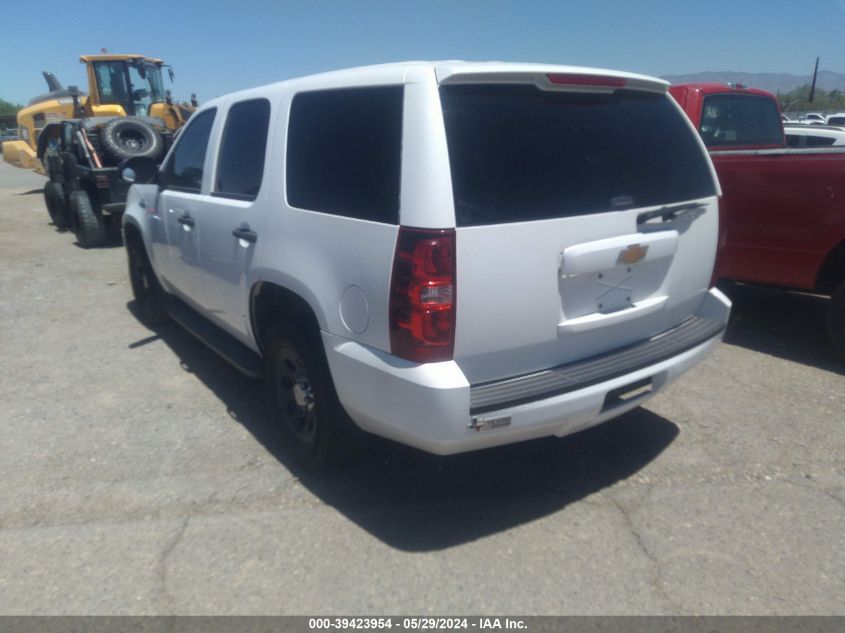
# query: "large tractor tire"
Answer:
x=54 y=198
x=130 y=137
x=86 y=221
x=836 y=320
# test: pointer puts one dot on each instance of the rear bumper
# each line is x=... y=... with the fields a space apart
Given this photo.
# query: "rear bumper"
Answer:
x=434 y=408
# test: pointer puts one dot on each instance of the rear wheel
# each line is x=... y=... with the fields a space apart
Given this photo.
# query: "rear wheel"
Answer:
x=302 y=400
x=86 y=221
x=54 y=198
x=836 y=320
x=149 y=295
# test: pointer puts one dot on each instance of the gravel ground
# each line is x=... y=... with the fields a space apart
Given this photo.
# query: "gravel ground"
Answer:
x=137 y=476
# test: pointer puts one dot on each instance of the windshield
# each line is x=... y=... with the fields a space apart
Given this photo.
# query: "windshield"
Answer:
x=145 y=81
x=135 y=85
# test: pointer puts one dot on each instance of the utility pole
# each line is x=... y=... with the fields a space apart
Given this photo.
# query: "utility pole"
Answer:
x=813 y=87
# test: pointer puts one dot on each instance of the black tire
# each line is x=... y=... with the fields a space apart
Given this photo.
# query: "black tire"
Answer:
x=150 y=297
x=86 y=222
x=836 y=320
x=130 y=137
x=306 y=414
x=54 y=198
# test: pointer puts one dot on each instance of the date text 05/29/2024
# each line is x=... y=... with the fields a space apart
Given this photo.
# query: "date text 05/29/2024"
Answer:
x=412 y=624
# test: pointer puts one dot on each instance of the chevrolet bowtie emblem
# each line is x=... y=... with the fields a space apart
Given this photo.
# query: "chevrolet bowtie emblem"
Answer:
x=632 y=254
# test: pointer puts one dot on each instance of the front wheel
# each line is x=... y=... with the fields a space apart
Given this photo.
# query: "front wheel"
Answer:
x=836 y=320
x=86 y=221
x=149 y=295
x=54 y=198
x=302 y=400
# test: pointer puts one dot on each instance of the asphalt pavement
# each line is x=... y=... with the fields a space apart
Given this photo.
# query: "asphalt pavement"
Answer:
x=138 y=475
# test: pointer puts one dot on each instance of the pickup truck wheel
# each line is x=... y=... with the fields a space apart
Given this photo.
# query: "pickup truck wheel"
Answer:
x=54 y=198
x=302 y=400
x=129 y=137
x=87 y=223
x=836 y=320
x=149 y=295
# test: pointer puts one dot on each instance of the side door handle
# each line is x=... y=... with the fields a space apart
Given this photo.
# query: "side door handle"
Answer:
x=243 y=233
x=185 y=220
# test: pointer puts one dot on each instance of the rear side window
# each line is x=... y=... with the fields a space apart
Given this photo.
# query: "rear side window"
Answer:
x=241 y=163
x=185 y=166
x=734 y=120
x=344 y=152
x=519 y=153
x=820 y=141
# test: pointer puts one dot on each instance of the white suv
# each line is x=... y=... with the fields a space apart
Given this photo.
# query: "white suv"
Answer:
x=452 y=255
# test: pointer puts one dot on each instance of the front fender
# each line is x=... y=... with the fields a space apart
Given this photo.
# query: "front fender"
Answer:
x=141 y=213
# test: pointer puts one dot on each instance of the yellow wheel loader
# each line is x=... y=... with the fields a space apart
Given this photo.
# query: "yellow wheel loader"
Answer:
x=78 y=141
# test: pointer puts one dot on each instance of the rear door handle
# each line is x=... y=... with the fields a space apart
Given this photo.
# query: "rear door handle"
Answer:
x=245 y=234
x=186 y=220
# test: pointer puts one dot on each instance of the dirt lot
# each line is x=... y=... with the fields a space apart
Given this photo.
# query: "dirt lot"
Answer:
x=137 y=476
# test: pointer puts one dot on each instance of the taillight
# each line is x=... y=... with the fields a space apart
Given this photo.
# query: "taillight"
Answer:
x=422 y=295
x=586 y=80
x=719 y=243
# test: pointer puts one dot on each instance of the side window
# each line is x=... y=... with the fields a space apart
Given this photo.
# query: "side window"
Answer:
x=185 y=165
x=241 y=163
x=344 y=152
x=794 y=140
x=820 y=141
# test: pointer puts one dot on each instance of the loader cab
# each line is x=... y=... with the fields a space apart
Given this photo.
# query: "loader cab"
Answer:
x=130 y=85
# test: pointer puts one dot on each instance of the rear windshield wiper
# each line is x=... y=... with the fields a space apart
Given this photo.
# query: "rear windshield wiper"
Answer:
x=670 y=212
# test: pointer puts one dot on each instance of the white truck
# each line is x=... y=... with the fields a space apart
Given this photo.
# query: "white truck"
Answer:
x=452 y=255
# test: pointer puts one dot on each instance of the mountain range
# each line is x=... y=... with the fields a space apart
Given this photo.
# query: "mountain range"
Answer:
x=773 y=82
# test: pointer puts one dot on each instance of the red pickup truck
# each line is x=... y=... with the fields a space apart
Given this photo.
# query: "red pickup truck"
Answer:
x=784 y=209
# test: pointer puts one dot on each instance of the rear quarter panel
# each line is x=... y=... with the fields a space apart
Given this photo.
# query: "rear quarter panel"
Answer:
x=340 y=266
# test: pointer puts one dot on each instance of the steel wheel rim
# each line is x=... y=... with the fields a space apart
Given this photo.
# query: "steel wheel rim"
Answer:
x=295 y=397
x=133 y=141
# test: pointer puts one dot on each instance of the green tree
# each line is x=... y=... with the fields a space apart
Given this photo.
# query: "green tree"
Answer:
x=798 y=100
x=9 y=108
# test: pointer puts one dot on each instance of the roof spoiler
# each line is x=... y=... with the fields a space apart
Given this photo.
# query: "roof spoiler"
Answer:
x=558 y=78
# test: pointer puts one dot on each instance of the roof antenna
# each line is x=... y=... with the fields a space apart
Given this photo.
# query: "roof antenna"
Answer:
x=813 y=87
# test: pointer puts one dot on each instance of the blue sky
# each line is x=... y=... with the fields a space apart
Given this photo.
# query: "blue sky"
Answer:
x=221 y=46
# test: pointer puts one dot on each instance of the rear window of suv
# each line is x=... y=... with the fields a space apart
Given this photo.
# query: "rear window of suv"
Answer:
x=519 y=153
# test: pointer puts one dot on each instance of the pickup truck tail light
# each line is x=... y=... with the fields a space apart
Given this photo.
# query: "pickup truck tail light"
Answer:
x=422 y=295
x=720 y=243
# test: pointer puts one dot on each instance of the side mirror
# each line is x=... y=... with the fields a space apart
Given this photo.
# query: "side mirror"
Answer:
x=139 y=170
